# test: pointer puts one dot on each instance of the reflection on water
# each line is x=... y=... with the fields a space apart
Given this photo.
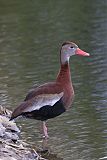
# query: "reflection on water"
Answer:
x=30 y=35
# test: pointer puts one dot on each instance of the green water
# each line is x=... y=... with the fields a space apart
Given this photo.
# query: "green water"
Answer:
x=31 y=33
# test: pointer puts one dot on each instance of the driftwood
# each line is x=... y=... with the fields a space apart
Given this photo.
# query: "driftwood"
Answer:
x=12 y=148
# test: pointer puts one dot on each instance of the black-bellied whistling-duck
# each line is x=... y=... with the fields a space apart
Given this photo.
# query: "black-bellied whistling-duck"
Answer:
x=51 y=99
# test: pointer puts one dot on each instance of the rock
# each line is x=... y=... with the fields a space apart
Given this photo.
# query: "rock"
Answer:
x=4 y=111
x=13 y=136
x=8 y=129
x=2 y=130
x=9 y=125
x=11 y=148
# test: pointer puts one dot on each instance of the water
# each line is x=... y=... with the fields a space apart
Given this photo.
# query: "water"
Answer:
x=31 y=33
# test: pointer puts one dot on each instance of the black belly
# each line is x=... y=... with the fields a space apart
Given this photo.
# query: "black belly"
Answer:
x=46 y=112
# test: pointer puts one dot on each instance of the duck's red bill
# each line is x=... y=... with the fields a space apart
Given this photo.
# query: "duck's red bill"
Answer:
x=81 y=53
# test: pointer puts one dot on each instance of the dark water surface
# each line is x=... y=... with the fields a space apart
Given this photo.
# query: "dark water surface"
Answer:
x=31 y=33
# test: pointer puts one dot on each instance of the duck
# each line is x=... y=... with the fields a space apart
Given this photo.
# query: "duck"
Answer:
x=53 y=98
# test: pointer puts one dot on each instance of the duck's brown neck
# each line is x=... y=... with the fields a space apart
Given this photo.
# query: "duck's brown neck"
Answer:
x=64 y=75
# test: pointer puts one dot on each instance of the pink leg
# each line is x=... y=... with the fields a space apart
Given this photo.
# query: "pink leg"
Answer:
x=45 y=130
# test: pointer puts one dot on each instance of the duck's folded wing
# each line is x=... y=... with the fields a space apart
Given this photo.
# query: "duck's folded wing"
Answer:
x=31 y=93
x=36 y=103
x=47 y=88
x=43 y=100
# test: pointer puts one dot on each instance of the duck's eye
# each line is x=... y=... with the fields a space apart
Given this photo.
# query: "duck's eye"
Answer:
x=71 y=47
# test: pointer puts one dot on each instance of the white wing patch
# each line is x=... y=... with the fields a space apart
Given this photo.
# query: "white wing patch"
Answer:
x=43 y=100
